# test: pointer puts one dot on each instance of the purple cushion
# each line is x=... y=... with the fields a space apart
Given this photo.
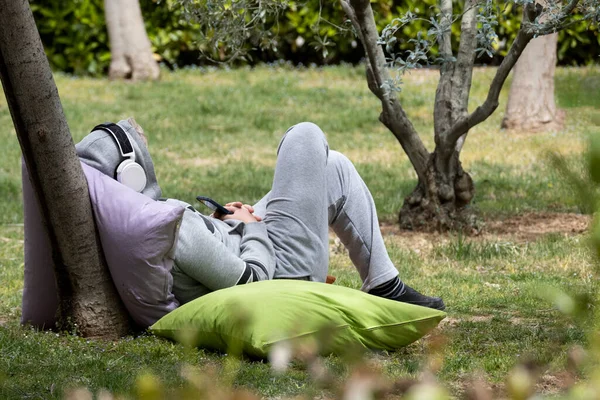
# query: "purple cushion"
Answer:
x=137 y=234
x=40 y=300
x=138 y=237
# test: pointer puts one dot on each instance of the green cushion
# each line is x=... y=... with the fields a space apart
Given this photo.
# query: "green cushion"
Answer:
x=250 y=318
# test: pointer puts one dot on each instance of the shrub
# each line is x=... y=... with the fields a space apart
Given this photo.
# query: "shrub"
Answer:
x=76 y=41
x=74 y=33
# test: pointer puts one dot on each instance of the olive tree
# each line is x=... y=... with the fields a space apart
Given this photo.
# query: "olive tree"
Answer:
x=444 y=188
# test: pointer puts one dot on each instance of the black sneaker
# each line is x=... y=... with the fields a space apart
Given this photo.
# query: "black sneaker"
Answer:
x=411 y=296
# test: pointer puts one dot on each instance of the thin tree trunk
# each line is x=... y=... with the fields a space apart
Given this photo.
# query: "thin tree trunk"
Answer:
x=531 y=106
x=130 y=48
x=86 y=292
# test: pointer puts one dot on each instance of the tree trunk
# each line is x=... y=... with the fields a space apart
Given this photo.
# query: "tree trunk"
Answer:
x=87 y=295
x=438 y=202
x=130 y=47
x=531 y=105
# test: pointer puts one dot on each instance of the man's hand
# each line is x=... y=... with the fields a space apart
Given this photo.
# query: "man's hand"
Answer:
x=241 y=212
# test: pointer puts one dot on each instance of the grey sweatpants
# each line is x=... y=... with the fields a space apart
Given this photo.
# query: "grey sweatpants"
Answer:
x=313 y=189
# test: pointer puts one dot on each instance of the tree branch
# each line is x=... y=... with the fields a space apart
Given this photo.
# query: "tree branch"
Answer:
x=524 y=36
x=490 y=104
x=463 y=71
x=393 y=115
x=462 y=74
x=369 y=37
x=445 y=41
x=442 y=115
x=452 y=96
x=559 y=23
x=371 y=81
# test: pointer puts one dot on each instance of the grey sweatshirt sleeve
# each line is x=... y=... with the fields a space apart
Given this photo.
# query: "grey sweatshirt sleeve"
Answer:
x=210 y=263
x=256 y=249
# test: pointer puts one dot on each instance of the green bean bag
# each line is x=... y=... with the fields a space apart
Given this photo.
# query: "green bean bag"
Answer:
x=252 y=318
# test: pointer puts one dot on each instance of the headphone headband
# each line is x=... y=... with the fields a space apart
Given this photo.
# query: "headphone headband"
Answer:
x=123 y=142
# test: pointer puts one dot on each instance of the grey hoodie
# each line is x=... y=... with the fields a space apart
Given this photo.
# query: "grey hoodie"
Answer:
x=99 y=150
x=210 y=254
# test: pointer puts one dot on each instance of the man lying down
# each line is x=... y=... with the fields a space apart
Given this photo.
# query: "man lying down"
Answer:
x=283 y=236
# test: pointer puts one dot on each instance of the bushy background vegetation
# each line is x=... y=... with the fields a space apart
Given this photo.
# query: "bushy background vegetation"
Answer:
x=310 y=31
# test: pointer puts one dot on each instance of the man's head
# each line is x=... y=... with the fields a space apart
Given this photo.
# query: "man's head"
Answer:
x=138 y=129
x=99 y=150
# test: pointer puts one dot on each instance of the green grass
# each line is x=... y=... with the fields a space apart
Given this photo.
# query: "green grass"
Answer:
x=216 y=133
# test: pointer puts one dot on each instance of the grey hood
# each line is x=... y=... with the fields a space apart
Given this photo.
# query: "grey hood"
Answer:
x=100 y=151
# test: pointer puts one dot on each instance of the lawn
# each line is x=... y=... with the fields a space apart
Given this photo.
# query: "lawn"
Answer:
x=215 y=132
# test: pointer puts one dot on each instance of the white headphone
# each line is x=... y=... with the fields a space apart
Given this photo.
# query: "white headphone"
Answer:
x=129 y=173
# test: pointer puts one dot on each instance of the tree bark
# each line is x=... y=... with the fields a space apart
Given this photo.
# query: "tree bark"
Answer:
x=531 y=106
x=87 y=295
x=130 y=48
x=439 y=202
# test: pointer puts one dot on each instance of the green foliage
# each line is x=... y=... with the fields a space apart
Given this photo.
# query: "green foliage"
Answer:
x=173 y=38
x=423 y=46
x=578 y=44
x=74 y=33
x=317 y=31
x=76 y=41
x=318 y=22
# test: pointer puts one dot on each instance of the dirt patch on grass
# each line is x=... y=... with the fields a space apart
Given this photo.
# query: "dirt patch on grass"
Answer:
x=552 y=384
x=478 y=386
x=419 y=242
x=452 y=321
x=527 y=227
x=516 y=229
x=514 y=320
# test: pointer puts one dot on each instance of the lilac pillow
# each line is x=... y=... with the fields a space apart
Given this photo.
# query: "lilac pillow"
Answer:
x=137 y=234
x=40 y=300
x=138 y=239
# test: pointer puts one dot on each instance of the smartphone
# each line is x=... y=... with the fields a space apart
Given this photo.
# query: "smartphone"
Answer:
x=213 y=205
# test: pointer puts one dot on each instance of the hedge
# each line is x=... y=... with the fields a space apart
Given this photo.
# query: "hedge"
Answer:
x=74 y=34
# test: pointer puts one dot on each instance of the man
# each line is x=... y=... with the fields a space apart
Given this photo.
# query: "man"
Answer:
x=285 y=235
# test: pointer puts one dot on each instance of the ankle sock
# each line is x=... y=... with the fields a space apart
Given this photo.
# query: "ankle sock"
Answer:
x=391 y=289
x=395 y=289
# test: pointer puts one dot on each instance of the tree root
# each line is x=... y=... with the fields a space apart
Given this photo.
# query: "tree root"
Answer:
x=442 y=207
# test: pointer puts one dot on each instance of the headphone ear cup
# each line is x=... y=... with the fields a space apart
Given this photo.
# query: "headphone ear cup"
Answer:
x=132 y=175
